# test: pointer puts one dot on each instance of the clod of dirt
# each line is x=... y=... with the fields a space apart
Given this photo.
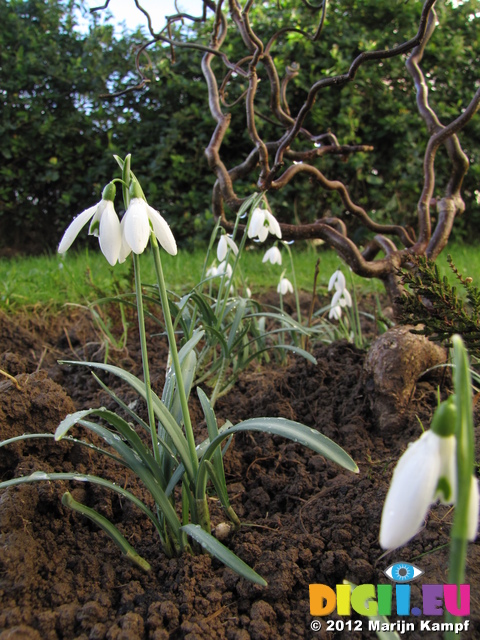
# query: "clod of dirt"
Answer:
x=394 y=363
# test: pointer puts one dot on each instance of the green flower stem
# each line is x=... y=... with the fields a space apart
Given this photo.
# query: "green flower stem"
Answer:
x=143 y=346
x=174 y=353
x=294 y=278
x=465 y=467
x=251 y=203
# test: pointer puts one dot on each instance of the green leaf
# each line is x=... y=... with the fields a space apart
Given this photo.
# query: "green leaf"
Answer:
x=38 y=476
x=161 y=412
x=220 y=551
x=109 y=528
x=293 y=431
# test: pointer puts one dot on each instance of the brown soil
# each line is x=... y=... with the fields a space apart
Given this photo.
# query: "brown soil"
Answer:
x=305 y=520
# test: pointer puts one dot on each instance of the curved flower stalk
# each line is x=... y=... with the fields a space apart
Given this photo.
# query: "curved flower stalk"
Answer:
x=104 y=224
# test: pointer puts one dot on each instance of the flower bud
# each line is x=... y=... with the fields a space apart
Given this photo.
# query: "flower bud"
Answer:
x=445 y=418
x=109 y=192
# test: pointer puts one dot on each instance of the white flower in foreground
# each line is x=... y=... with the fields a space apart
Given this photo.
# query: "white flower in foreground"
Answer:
x=262 y=223
x=424 y=472
x=284 y=286
x=139 y=221
x=411 y=491
x=224 y=244
x=104 y=224
x=273 y=256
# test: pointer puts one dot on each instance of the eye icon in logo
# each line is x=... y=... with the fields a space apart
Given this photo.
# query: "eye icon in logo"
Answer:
x=402 y=572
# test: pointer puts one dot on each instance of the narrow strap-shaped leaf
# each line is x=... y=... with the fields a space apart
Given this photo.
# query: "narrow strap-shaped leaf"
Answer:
x=187 y=370
x=38 y=476
x=32 y=436
x=169 y=385
x=217 y=460
x=288 y=429
x=222 y=553
x=222 y=493
x=109 y=528
x=125 y=430
x=135 y=463
x=123 y=405
x=161 y=412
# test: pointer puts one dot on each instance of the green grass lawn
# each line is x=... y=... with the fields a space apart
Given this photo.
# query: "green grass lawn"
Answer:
x=50 y=281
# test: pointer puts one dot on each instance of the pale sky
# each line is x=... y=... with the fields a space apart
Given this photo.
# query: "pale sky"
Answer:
x=126 y=11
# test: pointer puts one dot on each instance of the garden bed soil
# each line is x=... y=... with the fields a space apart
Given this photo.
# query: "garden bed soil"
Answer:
x=305 y=520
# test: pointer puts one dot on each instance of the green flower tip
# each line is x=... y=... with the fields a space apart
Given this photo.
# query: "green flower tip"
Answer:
x=445 y=417
x=109 y=192
x=136 y=190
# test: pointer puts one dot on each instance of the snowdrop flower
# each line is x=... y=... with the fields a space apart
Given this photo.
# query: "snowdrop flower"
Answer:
x=273 y=256
x=414 y=487
x=262 y=223
x=104 y=224
x=335 y=312
x=224 y=268
x=212 y=271
x=139 y=221
x=284 y=286
x=341 y=298
x=337 y=280
x=224 y=244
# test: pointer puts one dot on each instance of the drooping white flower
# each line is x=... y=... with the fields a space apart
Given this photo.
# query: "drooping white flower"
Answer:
x=104 y=224
x=139 y=221
x=337 y=280
x=335 y=312
x=224 y=244
x=424 y=472
x=224 y=268
x=273 y=256
x=212 y=271
x=284 y=286
x=341 y=298
x=262 y=223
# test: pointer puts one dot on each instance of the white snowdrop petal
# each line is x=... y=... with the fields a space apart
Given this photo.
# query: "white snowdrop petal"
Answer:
x=232 y=245
x=273 y=225
x=336 y=298
x=347 y=297
x=110 y=234
x=256 y=222
x=222 y=248
x=335 y=313
x=333 y=279
x=340 y=283
x=75 y=227
x=136 y=227
x=162 y=231
x=411 y=491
